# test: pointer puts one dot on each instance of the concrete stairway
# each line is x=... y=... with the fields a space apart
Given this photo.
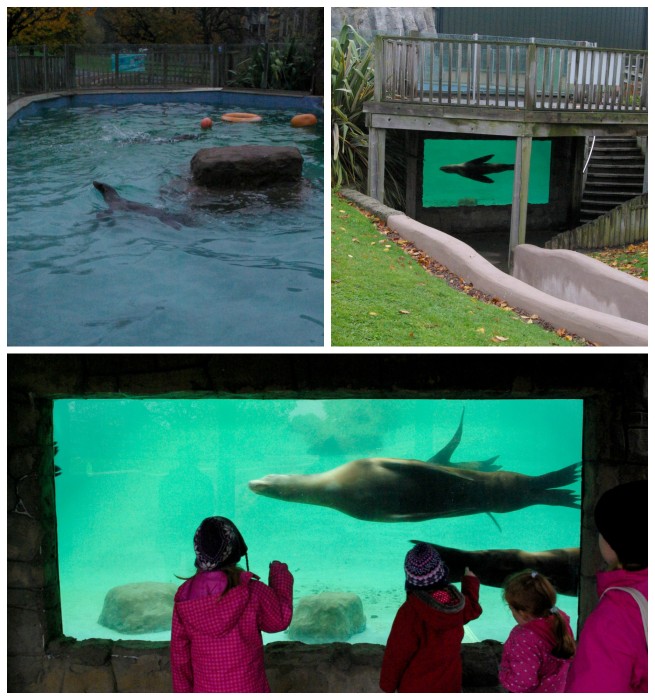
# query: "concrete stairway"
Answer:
x=614 y=175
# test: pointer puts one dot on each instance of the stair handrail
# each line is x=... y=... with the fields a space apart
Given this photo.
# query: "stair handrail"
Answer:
x=591 y=150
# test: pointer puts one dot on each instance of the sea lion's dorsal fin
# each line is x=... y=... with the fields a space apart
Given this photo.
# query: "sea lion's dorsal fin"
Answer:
x=408 y=468
x=443 y=456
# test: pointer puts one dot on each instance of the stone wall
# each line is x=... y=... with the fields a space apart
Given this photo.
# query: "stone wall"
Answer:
x=41 y=659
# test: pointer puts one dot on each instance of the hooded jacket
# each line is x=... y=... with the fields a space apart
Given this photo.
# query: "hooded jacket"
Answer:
x=423 y=650
x=216 y=642
x=612 y=654
x=528 y=665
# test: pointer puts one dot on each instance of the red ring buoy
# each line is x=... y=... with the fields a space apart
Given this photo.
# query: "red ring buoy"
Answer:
x=241 y=117
x=303 y=120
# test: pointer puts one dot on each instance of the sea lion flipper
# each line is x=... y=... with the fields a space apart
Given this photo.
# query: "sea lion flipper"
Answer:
x=480 y=160
x=445 y=453
x=480 y=178
x=495 y=522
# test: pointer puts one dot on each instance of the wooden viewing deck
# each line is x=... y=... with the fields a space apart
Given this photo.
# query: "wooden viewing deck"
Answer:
x=523 y=90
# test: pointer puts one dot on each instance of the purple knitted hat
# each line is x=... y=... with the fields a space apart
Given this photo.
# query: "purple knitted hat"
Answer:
x=217 y=543
x=424 y=567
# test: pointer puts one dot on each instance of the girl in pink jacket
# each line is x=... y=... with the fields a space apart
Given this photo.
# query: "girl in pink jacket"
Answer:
x=220 y=613
x=612 y=654
x=537 y=653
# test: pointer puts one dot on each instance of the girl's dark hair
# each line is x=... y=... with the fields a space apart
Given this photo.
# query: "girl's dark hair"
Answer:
x=232 y=571
x=532 y=593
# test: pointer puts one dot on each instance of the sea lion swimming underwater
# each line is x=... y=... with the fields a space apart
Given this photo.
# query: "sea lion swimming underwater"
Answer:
x=493 y=566
x=406 y=490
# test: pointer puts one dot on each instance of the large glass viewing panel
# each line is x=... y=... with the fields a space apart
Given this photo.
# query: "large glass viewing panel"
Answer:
x=136 y=477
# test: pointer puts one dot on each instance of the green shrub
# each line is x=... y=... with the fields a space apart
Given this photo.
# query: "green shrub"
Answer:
x=351 y=86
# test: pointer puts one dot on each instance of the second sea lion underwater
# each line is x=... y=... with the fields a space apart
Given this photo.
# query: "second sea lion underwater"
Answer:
x=384 y=489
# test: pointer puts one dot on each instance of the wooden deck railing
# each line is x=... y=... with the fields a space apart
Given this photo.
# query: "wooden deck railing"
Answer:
x=510 y=75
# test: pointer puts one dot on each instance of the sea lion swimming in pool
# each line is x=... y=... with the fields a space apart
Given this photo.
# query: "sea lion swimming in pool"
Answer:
x=116 y=202
x=405 y=490
x=493 y=566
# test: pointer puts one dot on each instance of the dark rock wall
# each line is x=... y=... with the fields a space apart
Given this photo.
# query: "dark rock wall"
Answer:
x=40 y=659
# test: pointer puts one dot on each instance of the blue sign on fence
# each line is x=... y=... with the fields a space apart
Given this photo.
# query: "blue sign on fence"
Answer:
x=129 y=63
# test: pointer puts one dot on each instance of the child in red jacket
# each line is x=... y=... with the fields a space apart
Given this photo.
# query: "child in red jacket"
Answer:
x=538 y=651
x=220 y=613
x=423 y=650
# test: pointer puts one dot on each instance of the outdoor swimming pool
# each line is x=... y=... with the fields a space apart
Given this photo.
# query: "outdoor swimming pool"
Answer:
x=244 y=269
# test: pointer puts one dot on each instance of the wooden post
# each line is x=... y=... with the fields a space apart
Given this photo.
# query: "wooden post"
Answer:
x=411 y=172
x=379 y=77
x=45 y=68
x=376 y=156
x=520 y=195
x=530 y=77
x=117 y=55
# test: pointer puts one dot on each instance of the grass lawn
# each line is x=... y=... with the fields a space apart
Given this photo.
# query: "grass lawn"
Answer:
x=382 y=297
x=632 y=259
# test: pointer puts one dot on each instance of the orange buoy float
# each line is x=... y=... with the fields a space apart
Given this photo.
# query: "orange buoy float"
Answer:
x=206 y=123
x=239 y=117
x=304 y=120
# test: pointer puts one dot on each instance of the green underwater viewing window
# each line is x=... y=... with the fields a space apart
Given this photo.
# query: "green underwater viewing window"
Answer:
x=135 y=477
x=465 y=172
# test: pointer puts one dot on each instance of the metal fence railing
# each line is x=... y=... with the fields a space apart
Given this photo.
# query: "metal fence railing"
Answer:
x=35 y=69
x=510 y=74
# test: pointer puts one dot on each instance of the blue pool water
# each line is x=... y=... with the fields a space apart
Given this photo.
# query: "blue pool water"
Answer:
x=138 y=476
x=245 y=270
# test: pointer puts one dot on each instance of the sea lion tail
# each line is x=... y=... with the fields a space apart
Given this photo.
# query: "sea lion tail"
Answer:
x=549 y=484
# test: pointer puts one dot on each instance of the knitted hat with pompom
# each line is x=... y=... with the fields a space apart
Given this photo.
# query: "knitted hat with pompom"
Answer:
x=424 y=567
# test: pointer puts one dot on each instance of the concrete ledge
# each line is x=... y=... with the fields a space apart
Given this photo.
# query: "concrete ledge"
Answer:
x=461 y=259
x=373 y=205
x=574 y=277
x=30 y=105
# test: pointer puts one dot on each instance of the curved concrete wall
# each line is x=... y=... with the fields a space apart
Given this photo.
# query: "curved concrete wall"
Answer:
x=461 y=259
x=569 y=275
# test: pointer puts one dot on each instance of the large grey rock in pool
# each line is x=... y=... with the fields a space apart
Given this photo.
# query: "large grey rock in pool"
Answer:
x=327 y=617
x=246 y=167
x=136 y=608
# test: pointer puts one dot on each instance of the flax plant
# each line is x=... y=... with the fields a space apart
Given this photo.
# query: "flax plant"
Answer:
x=352 y=85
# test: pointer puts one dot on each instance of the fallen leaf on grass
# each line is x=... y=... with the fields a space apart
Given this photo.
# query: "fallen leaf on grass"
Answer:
x=402 y=311
x=499 y=339
x=372 y=313
x=479 y=330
